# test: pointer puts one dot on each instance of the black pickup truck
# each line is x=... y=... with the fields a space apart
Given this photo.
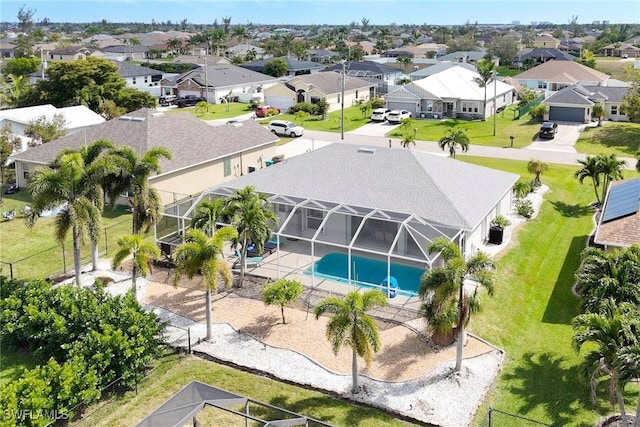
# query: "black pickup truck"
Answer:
x=188 y=101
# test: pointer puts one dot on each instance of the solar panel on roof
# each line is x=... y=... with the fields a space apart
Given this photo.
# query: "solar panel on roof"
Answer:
x=623 y=200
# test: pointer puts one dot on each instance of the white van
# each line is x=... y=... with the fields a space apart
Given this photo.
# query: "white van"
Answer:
x=285 y=128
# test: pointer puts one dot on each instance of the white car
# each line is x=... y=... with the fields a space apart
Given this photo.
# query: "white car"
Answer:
x=379 y=114
x=285 y=128
x=396 y=116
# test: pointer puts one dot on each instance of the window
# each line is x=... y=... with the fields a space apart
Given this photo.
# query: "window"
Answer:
x=428 y=106
x=614 y=110
x=314 y=218
x=356 y=94
x=25 y=171
x=470 y=107
x=542 y=84
x=227 y=166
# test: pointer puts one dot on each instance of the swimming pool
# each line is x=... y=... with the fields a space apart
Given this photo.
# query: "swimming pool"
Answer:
x=366 y=272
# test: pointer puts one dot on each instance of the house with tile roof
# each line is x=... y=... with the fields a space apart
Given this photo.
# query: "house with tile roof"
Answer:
x=452 y=92
x=217 y=81
x=555 y=75
x=379 y=203
x=619 y=222
x=203 y=155
x=313 y=87
x=575 y=103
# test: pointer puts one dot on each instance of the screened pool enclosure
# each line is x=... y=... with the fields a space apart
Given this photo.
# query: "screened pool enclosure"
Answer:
x=310 y=232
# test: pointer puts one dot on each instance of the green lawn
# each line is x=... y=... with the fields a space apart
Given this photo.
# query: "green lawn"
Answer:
x=530 y=314
x=174 y=372
x=18 y=242
x=216 y=111
x=613 y=66
x=353 y=119
x=523 y=130
x=620 y=138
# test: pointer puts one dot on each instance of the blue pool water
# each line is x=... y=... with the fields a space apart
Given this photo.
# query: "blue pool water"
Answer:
x=334 y=266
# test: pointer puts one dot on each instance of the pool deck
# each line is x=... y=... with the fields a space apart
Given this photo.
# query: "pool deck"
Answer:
x=292 y=259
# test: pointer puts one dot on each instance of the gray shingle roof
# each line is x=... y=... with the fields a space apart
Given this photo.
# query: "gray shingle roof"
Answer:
x=568 y=96
x=127 y=69
x=441 y=66
x=223 y=75
x=369 y=67
x=329 y=83
x=191 y=140
x=438 y=189
x=292 y=64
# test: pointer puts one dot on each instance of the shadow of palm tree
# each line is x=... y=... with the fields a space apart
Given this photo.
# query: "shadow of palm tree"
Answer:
x=547 y=381
x=409 y=350
x=572 y=211
x=263 y=325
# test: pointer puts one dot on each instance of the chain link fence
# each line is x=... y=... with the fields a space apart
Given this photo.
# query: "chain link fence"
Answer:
x=498 y=418
x=58 y=260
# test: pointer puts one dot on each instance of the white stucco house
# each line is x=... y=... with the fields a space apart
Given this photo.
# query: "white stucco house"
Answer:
x=313 y=87
x=453 y=92
x=367 y=205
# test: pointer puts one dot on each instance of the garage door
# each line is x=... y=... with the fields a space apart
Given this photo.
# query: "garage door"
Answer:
x=566 y=114
x=281 y=102
x=409 y=106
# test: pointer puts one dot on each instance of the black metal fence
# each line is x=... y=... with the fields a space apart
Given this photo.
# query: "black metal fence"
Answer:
x=58 y=260
x=498 y=418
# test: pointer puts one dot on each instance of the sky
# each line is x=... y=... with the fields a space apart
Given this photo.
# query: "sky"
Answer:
x=332 y=12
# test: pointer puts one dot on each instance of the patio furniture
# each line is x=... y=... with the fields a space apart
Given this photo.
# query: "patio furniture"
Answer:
x=252 y=261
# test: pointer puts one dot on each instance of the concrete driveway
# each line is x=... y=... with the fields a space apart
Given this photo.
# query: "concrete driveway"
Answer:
x=565 y=139
x=374 y=129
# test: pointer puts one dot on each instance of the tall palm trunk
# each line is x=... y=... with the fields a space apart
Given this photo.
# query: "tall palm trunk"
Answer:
x=77 y=261
x=94 y=254
x=484 y=113
x=354 y=371
x=208 y=309
x=460 y=329
x=623 y=413
x=243 y=263
x=595 y=188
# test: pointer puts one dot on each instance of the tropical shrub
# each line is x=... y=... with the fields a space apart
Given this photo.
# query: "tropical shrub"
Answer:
x=88 y=337
x=538 y=112
x=281 y=293
x=524 y=208
x=307 y=107
x=521 y=189
x=500 y=221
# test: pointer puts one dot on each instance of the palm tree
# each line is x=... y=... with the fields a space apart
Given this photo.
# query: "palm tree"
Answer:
x=445 y=301
x=175 y=45
x=608 y=275
x=404 y=61
x=14 y=94
x=453 y=138
x=251 y=216
x=143 y=253
x=92 y=155
x=202 y=255
x=133 y=179
x=486 y=70
x=590 y=169
x=610 y=331
x=408 y=141
x=72 y=186
x=351 y=325
x=365 y=24
x=537 y=167
x=207 y=214
x=611 y=169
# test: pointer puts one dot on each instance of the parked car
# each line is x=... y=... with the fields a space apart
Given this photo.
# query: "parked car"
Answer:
x=188 y=101
x=267 y=110
x=548 y=130
x=167 y=100
x=285 y=128
x=396 y=116
x=380 y=114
